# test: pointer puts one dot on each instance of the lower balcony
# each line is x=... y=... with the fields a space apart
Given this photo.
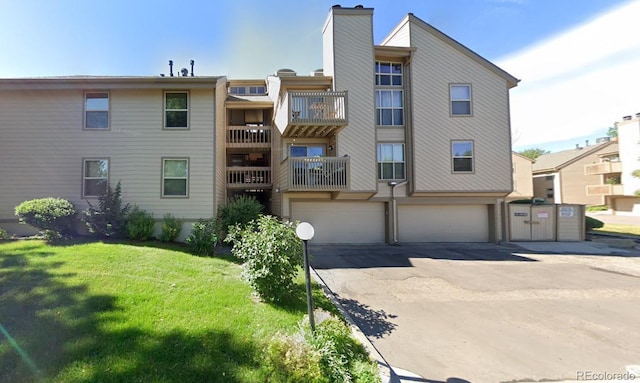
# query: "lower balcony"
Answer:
x=249 y=177
x=605 y=189
x=318 y=173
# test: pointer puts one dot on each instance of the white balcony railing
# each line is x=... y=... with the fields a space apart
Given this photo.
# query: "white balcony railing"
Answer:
x=248 y=177
x=248 y=136
x=319 y=173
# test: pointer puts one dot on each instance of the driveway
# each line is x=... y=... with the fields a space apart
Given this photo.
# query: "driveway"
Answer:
x=489 y=313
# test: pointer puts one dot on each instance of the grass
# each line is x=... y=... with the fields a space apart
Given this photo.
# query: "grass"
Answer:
x=619 y=229
x=109 y=312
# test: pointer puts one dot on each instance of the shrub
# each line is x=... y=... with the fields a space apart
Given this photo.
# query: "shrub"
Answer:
x=592 y=223
x=271 y=252
x=597 y=208
x=140 y=224
x=53 y=216
x=171 y=228
x=203 y=238
x=4 y=234
x=239 y=210
x=329 y=355
x=109 y=219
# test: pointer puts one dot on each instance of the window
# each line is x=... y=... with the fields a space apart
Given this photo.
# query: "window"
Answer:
x=388 y=73
x=389 y=94
x=462 y=153
x=176 y=110
x=237 y=90
x=460 y=100
x=96 y=110
x=95 y=177
x=257 y=90
x=240 y=90
x=175 y=177
x=391 y=161
x=306 y=150
x=389 y=107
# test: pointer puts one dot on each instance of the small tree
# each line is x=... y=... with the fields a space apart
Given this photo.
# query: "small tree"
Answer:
x=239 y=210
x=203 y=238
x=110 y=217
x=53 y=216
x=533 y=153
x=271 y=252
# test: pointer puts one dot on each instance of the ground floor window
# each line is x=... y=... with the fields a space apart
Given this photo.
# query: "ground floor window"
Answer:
x=175 y=177
x=462 y=154
x=95 y=177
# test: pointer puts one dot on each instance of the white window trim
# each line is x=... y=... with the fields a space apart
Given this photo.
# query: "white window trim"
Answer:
x=451 y=100
x=163 y=178
x=108 y=110
x=472 y=156
x=85 y=178
x=391 y=108
x=379 y=161
x=165 y=110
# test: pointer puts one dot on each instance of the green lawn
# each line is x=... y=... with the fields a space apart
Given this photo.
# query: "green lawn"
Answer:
x=100 y=312
x=620 y=229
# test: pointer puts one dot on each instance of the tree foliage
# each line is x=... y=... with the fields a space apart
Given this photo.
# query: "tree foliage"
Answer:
x=53 y=216
x=109 y=218
x=612 y=131
x=533 y=153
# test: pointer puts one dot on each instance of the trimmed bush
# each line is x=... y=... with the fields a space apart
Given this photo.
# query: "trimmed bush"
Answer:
x=203 y=238
x=53 y=216
x=271 y=252
x=4 y=234
x=239 y=210
x=140 y=224
x=592 y=223
x=109 y=219
x=597 y=208
x=171 y=228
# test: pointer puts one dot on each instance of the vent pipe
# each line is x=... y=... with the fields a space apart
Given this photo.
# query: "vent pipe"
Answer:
x=171 y=68
x=192 y=62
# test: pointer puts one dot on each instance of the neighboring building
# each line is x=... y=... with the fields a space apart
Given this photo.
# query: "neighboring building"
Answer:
x=617 y=183
x=522 y=177
x=560 y=178
x=414 y=149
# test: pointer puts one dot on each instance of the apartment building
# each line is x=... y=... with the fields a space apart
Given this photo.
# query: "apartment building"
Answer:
x=405 y=141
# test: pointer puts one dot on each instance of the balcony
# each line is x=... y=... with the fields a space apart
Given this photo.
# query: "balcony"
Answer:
x=615 y=189
x=312 y=114
x=603 y=168
x=248 y=136
x=318 y=173
x=249 y=177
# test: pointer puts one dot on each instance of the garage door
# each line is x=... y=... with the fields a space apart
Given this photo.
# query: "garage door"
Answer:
x=342 y=222
x=443 y=223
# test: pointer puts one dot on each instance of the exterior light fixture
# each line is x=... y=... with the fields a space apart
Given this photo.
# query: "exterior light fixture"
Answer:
x=305 y=232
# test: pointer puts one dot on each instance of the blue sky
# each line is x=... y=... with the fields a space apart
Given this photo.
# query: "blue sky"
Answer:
x=577 y=59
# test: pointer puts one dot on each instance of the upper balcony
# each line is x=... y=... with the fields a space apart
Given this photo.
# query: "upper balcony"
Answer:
x=606 y=190
x=248 y=136
x=318 y=173
x=603 y=168
x=311 y=114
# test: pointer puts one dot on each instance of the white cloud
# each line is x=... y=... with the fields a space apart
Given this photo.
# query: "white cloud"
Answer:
x=579 y=82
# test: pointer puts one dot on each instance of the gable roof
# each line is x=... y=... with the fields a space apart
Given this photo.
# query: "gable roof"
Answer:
x=521 y=156
x=558 y=160
x=411 y=18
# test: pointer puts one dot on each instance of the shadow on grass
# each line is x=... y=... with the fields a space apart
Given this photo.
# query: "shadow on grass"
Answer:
x=55 y=331
x=296 y=301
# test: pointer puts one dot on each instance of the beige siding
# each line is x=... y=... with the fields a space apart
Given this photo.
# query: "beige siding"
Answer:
x=352 y=63
x=435 y=66
x=390 y=135
x=43 y=145
x=570 y=223
x=399 y=37
x=574 y=182
x=522 y=178
x=220 y=146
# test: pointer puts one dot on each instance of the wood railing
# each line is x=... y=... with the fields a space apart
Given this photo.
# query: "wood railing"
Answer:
x=603 y=168
x=605 y=189
x=319 y=173
x=248 y=136
x=249 y=176
x=318 y=108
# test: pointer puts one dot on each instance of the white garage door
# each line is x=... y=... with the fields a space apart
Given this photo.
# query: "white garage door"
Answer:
x=443 y=223
x=342 y=222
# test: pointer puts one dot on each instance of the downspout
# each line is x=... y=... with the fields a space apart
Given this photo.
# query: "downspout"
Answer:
x=394 y=212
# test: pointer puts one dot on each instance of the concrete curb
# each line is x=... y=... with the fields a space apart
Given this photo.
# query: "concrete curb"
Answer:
x=387 y=372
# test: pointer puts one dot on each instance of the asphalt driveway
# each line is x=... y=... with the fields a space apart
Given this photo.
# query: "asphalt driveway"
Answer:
x=489 y=313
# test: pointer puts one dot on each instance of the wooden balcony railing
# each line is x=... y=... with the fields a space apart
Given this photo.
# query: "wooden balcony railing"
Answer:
x=605 y=189
x=603 y=168
x=248 y=136
x=318 y=173
x=311 y=114
x=249 y=177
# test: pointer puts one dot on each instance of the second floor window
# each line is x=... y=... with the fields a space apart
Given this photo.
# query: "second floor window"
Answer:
x=389 y=107
x=96 y=110
x=176 y=110
x=460 y=99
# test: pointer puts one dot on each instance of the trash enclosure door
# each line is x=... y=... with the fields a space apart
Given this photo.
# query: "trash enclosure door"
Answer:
x=532 y=222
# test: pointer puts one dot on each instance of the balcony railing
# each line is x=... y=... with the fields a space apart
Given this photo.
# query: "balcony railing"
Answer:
x=253 y=177
x=312 y=114
x=605 y=189
x=603 y=168
x=248 y=136
x=318 y=173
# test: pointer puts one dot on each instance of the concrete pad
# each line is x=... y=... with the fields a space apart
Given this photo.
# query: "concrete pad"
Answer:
x=489 y=313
